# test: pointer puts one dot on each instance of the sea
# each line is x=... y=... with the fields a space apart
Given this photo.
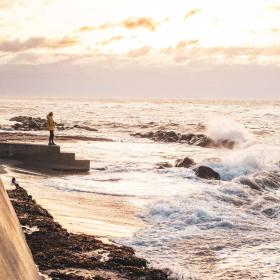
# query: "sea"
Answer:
x=194 y=228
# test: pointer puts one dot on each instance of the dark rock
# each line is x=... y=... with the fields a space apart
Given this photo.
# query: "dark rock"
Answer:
x=190 y=138
x=186 y=162
x=186 y=137
x=163 y=165
x=226 y=144
x=272 y=212
x=26 y=123
x=262 y=180
x=206 y=172
x=201 y=140
x=147 y=134
x=249 y=183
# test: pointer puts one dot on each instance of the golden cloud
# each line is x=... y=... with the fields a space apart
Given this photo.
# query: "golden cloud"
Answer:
x=86 y=28
x=36 y=43
x=139 y=52
x=143 y=22
x=131 y=23
x=182 y=54
x=62 y=43
x=192 y=13
x=111 y=40
x=89 y=28
x=187 y=43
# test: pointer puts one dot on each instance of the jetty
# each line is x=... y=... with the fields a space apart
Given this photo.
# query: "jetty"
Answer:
x=43 y=156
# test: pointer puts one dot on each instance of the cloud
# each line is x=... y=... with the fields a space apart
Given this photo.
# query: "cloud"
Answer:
x=243 y=51
x=86 y=28
x=191 y=50
x=6 y=4
x=131 y=23
x=139 y=52
x=142 y=22
x=179 y=54
x=36 y=43
x=62 y=43
x=110 y=40
x=186 y=43
x=192 y=13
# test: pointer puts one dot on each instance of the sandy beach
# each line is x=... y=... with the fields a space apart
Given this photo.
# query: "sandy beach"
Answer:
x=100 y=215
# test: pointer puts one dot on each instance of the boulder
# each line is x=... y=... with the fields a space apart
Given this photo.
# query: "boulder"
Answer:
x=186 y=137
x=262 y=180
x=186 y=162
x=200 y=140
x=206 y=172
x=29 y=123
x=163 y=165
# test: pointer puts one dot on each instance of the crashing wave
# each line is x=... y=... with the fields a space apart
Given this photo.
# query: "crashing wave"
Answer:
x=226 y=129
x=262 y=180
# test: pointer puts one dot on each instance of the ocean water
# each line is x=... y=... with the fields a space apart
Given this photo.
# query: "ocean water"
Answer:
x=197 y=229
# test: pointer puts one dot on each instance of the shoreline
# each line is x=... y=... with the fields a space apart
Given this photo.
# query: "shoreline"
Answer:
x=97 y=214
x=64 y=255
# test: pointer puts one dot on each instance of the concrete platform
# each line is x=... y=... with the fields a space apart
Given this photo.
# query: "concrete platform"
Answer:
x=43 y=156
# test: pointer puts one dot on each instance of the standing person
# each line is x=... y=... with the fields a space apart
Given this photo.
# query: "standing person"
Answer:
x=51 y=126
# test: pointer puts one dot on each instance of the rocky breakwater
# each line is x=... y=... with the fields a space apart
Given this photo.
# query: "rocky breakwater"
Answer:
x=201 y=140
x=201 y=171
x=27 y=123
x=64 y=255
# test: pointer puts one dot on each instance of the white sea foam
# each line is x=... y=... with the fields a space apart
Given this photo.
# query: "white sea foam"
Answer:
x=247 y=161
x=220 y=129
x=177 y=215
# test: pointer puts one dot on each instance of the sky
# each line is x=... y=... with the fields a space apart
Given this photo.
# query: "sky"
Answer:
x=140 y=49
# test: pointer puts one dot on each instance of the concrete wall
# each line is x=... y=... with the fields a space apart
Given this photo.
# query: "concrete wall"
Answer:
x=44 y=156
x=16 y=262
x=21 y=151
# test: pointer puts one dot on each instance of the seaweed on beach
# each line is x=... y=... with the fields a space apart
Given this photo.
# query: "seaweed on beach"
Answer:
x=64 y=255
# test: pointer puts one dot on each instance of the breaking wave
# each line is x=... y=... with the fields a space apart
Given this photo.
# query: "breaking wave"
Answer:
x=224 y=129
x=247 y=161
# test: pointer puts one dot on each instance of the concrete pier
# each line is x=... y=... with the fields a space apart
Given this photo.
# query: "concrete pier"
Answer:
x=43 y=156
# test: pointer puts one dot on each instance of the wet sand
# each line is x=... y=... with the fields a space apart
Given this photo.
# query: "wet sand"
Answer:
x=101 y=215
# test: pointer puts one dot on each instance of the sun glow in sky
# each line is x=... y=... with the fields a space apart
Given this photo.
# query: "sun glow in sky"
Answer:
x=137 y=35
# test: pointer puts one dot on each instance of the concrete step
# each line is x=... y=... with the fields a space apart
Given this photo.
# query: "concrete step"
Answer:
x=77 y=165
x=66 y=157
x=43 y=155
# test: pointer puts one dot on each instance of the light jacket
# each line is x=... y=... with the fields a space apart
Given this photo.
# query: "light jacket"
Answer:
x=50 y=122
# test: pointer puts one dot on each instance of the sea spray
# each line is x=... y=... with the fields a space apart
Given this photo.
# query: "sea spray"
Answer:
x=222 y=129
x=247 y=161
